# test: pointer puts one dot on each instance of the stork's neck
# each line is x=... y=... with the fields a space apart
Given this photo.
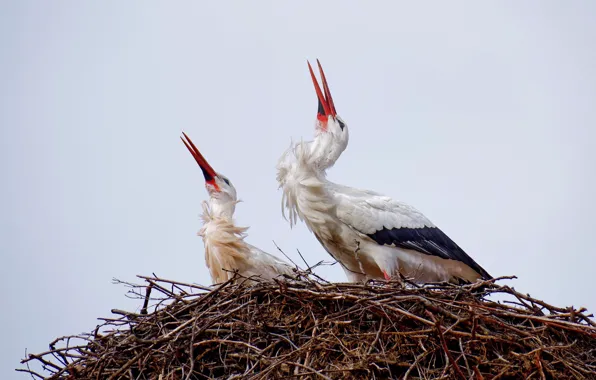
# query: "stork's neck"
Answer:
x=225 y=248
x=301 y=175
x=325 y=149
x=222 y=209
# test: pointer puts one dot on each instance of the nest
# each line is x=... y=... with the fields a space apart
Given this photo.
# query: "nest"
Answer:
x=309 y=329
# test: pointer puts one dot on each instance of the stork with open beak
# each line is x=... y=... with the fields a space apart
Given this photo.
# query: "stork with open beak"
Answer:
x=225 y=248
x=371 y=235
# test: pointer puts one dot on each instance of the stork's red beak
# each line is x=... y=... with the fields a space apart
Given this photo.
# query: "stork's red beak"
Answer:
x=208 y=171
x=326 y=106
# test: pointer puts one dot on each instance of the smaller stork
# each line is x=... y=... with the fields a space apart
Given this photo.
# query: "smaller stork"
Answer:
x=225 y=248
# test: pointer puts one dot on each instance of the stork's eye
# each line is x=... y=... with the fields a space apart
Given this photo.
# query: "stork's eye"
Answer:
x=341 y=123
x=226 y=181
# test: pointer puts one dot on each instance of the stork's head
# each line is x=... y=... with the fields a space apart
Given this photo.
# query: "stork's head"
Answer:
x=331 y=132
x=222 y=193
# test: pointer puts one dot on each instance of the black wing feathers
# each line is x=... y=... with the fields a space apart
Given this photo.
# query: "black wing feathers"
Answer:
x=428 y=240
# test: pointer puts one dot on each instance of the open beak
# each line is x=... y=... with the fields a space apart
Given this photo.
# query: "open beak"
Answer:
x=326 y=106
x=207 y=170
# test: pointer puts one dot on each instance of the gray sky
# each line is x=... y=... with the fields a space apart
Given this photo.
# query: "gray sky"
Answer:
x=479 y=114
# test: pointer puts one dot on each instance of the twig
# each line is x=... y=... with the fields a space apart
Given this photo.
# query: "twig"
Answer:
x=305 y=327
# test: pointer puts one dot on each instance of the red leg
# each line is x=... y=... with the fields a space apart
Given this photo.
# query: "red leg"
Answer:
x=387 y=277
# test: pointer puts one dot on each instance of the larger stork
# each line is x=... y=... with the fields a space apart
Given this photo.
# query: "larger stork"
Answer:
x=225 y=248
x=370 y=234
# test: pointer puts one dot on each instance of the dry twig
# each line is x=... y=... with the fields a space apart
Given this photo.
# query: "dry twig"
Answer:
x=306 y=328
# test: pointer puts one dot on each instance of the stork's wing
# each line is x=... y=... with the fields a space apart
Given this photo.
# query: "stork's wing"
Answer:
x=267 y=265
x=389 y=222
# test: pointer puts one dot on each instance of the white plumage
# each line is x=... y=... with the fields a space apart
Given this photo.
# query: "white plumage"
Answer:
x=225 y=248
x=368 y=211
x=226 y=251
x=371 y=235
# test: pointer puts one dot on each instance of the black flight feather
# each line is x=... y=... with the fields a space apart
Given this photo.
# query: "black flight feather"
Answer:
x=427 y=240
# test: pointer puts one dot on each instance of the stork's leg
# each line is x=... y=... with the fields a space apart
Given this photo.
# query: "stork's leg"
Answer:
x=385 y=260
x=387 y=276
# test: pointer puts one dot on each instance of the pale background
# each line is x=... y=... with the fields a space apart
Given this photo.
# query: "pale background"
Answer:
x=481 y=115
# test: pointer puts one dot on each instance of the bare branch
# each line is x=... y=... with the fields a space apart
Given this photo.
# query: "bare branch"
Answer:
x=304 y=327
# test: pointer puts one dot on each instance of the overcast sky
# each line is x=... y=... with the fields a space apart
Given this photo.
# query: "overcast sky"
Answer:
x=482 y=115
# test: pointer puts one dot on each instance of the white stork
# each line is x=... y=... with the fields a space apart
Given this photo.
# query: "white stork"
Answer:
x=371 y=235
x=225 y=248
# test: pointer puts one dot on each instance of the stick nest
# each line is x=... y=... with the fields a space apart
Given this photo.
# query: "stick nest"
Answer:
x=309 y=329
